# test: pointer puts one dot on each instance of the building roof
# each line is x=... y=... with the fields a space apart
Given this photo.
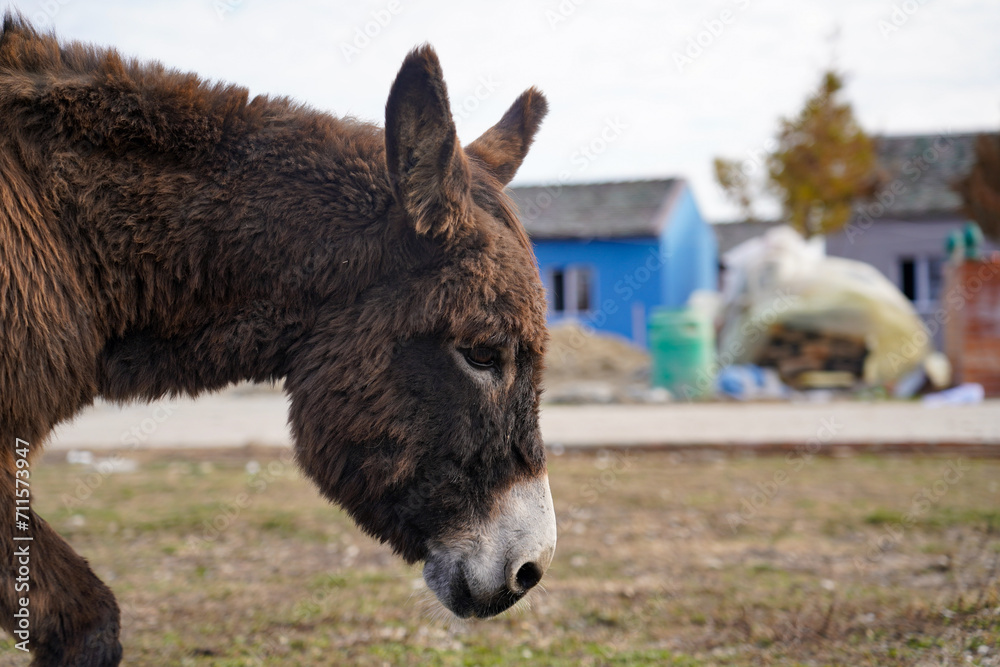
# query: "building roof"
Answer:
x=920 y=171
x=597 y=210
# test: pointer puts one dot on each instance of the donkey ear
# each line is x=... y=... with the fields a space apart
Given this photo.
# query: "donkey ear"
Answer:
x=502 y=147
x=427 y=168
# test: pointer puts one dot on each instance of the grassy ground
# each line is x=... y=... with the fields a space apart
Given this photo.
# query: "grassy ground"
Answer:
x=662 y=559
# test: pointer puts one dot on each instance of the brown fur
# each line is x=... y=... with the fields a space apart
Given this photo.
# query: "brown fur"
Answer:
x=160 y=235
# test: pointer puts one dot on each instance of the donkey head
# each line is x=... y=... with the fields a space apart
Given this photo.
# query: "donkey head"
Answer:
x=416 y=405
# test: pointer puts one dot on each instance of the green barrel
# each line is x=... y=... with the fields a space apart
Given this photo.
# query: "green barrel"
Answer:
x=682 y=343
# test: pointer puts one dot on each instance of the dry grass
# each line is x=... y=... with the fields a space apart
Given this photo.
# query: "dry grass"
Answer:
x=857 y=561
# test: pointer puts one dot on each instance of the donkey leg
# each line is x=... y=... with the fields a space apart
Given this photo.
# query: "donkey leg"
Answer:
x=73 y=619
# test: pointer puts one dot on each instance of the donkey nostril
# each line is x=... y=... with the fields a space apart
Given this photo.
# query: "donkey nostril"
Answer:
x=528 y=575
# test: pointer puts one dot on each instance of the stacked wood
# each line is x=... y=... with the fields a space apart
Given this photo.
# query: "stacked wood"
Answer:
x=798 y=354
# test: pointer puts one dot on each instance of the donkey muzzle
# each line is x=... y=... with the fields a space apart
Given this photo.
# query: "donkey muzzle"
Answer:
x=485 y=571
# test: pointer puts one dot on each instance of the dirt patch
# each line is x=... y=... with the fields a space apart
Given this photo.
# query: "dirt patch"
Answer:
x=584 y=366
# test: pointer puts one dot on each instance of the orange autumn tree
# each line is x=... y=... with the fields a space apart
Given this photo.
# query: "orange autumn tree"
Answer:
x=736 y=184
x=823 y=164
x=980 y=188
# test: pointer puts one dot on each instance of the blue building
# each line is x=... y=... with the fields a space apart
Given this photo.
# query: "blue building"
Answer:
x=609 y=253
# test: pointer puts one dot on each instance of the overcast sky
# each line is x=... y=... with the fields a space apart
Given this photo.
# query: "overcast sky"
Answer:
x=637 y=89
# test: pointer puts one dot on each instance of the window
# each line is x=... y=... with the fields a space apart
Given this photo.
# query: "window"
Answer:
x=908 y=277
x=935 y=277
x=920 y=279
x=581 y=293
x=570 y=290
x=558 y=294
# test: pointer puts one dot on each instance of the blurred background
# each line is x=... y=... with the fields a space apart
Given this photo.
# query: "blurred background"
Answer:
x=768 y=232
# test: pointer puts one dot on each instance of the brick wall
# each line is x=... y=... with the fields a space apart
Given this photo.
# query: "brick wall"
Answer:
x=972 y=330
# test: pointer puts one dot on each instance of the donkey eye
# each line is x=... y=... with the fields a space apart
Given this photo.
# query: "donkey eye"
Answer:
x=481 y=357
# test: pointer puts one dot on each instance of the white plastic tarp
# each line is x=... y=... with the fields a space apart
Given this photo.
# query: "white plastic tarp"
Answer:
x=779 y=278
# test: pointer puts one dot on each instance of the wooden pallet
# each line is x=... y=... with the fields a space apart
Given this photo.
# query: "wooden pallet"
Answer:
x=810 y=358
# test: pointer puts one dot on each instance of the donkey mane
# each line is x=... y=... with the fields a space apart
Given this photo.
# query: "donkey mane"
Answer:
x=156 y=107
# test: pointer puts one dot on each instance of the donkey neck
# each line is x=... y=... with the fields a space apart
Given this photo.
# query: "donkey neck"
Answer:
x=222 y=262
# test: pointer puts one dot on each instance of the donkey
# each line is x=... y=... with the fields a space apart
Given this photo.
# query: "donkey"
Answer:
x=160 y=235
